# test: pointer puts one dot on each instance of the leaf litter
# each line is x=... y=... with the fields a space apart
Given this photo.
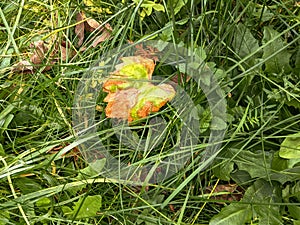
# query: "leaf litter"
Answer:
x=46 y=54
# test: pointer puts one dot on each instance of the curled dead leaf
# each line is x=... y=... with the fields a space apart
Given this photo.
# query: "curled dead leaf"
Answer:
x=40 y=50
x=147 y=52
x=65 y=50
x=40 y=54
x=44 y=55
x=79 y=28
x=90 y=25
x=23 y=66
x=106 y=33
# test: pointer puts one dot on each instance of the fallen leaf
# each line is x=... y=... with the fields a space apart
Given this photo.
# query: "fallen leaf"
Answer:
x=112 y=85
x=23 y=66
x=134 y=67
x=180 y=78
x=79 y=28
x=151 y=99
x=42 y=56
x=106 y=33
x=172 y=208
x=91 y=25
x=65 y=50
x=40 y=49
x=147 y=52
x=133 y=72
x=64 y=53
x=39 y=55
x=120 y=103
x=131 y=95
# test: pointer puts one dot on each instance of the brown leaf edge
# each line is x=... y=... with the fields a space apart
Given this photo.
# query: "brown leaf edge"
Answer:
x=79 y=28
x=90 y=25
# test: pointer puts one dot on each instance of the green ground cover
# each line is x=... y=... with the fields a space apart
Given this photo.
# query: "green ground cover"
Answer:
x=252 y=48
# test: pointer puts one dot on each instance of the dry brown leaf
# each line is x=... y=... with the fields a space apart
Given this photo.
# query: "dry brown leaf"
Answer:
x=91 y=25
x=235 y=193
x=79 y=28
x=41 y=56
x=40 y=50
x=65 y=51
x=23 y=66
x=106 y=33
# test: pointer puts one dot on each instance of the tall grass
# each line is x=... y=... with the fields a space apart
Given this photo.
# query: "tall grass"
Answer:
x=44 y=179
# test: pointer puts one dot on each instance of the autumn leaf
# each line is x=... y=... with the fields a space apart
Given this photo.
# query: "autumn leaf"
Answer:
x=133 y=72
x=38 y=55
x=120 y=103
x=65 y=50
x=181 y=78
x=106 y=33
x=146 y=52
x=40 y=50
x=135 y=67
x=133 y=104
x=91 y=24
x=151 y=99
x=131 y=95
